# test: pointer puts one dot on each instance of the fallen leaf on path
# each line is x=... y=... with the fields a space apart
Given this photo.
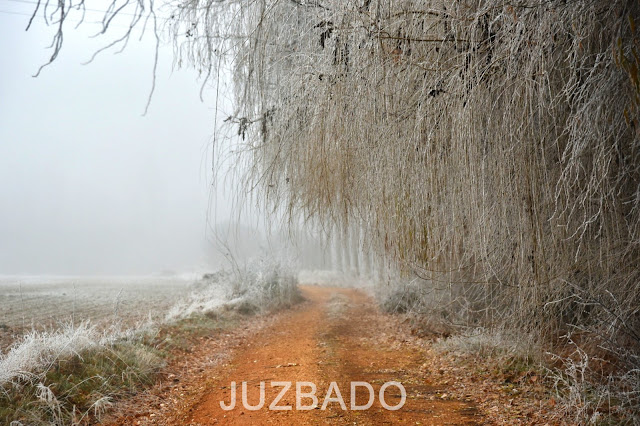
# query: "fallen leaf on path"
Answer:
x=291 y=364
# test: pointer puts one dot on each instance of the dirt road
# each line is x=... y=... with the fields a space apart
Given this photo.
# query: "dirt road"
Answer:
x=336 y=336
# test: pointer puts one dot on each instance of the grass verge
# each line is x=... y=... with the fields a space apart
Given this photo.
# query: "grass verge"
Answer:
x=517 y=377
x=77 y=388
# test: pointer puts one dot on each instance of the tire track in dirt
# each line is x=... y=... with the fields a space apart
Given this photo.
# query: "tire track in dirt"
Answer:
x=339 y=336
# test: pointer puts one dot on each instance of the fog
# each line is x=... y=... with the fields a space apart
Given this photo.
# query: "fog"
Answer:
x=87 y=184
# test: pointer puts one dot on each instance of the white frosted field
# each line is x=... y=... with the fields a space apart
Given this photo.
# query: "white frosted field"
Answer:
x=46 y=302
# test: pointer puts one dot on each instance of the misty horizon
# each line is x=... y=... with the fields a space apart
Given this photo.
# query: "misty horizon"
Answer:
x=88 y=185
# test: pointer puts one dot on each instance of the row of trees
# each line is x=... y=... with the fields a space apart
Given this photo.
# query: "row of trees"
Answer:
x=485 y=145
x=490 y=149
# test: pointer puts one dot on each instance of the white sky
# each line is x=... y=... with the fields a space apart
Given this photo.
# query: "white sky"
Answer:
x=88 y=185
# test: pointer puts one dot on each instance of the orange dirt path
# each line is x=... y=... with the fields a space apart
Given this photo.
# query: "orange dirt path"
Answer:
x=338 y=335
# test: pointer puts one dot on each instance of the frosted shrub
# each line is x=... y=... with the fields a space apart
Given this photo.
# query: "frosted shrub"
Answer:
x=267 y=284
x=495 y=344
x=593 y=392
x=261 y=284
x=37 y=351
x=208 y=294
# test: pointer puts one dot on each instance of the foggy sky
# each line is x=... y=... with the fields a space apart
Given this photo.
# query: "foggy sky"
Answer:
x=88 y=185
